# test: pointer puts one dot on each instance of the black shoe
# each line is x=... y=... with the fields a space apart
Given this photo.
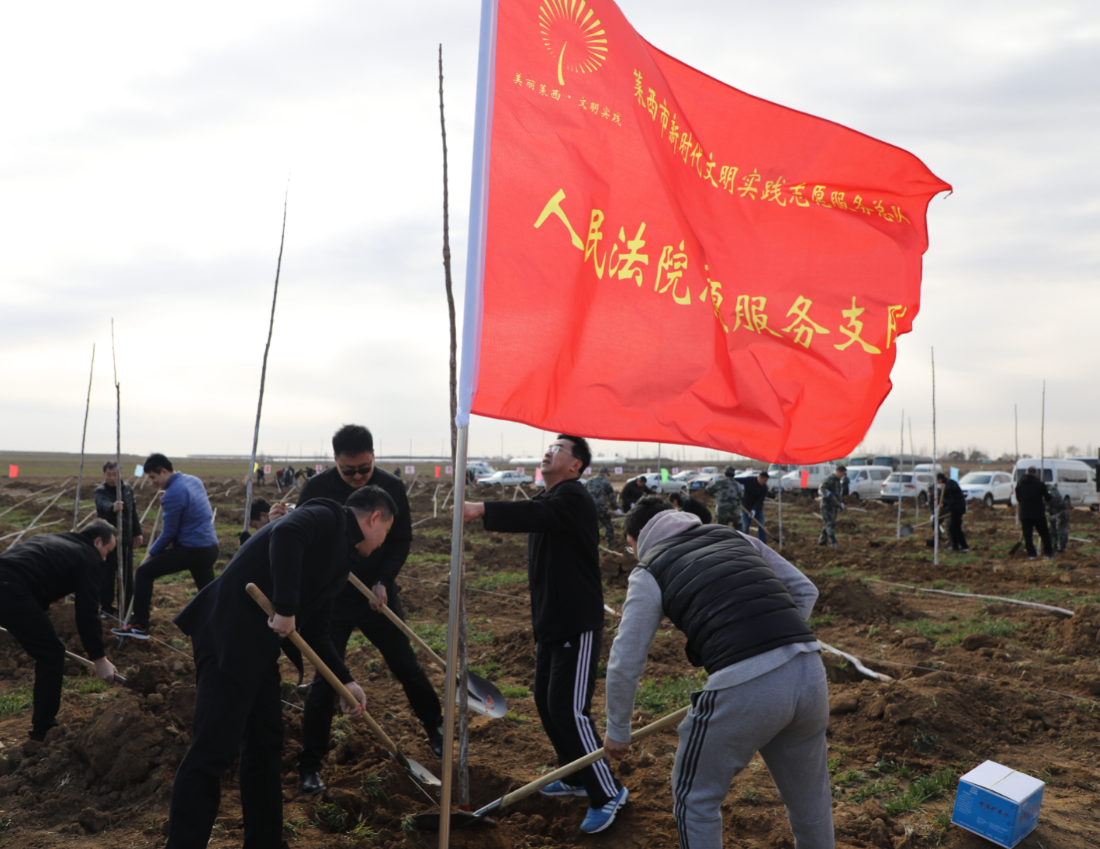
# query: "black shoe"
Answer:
x=435 y=737
x=311 y=784
x=38 y=732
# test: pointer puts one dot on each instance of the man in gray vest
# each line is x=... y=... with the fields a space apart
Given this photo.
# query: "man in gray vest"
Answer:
x=744 y=610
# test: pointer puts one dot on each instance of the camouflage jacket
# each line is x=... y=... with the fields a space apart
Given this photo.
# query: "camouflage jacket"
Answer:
x=1056 y=503
x=603 y=493
x=727 y=493
x=831 y=486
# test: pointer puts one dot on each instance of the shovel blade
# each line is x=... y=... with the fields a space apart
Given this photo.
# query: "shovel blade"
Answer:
x=484 y=698
x=907 y=531
x=419 y=772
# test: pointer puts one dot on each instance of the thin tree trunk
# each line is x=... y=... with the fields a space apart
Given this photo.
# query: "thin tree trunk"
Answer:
x=936 y=504
x=463 y=659
x=901 y=464
x=83 y=437
x=263 y=373
x=120 y=545
x=913 y=470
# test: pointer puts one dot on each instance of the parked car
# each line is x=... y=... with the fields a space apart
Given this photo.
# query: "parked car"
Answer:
x=480 y=470
x=654 y=482
x=504 y=478
x=866 y=481
x=704 y=480
x=907 y=485
x=990 y=487
x=687 y=476
x=1076 y=481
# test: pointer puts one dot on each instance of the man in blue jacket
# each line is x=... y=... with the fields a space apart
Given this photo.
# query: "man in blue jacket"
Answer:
x=188 y=540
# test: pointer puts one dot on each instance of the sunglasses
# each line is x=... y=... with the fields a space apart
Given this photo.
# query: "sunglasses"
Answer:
x=356 y=471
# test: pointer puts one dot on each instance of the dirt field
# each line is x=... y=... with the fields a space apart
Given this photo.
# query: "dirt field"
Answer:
x=973 y=680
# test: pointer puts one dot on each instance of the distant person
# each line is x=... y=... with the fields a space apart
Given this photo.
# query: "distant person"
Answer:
x=752 y=505
x=766 y=688
x=300 y=563
x=567 y=617
x=1058 y=511
x=353 y=448
x=260 y=476
x=397 y=473
x=35 y=573
x=603 y=493
x=685 y=502
x=187 y=541
x=831 y=501
x=728 y=495
x=953 y=500
x=633 y=490
x=1031 y=496
x=107 y=507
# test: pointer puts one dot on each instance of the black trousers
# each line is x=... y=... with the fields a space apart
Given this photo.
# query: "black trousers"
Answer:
x=1039 y=523
x=200 y=562
x=108 y=577
x=565 y=676
x=955 y=530
x=395 y=649
x=32 y=628
x=230 y=717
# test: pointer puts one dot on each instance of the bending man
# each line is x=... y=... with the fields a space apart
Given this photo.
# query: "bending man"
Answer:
x=36 y=572
x=744 y=610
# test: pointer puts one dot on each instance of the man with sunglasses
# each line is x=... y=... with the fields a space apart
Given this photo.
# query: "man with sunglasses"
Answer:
x=563 y=569
x=353 y=446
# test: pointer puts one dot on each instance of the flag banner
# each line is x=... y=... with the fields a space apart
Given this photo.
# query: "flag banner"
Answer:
x=764 y=260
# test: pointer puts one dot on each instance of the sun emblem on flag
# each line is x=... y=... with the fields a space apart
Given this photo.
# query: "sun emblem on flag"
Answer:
x=571 y=32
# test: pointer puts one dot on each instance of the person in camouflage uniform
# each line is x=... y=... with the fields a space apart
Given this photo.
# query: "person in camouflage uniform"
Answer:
x=1058 y=511
x=831 y=494
x=603 y=493
x=727 y=494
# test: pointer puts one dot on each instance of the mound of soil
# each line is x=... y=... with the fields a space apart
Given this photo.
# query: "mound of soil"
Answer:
x=854 y=600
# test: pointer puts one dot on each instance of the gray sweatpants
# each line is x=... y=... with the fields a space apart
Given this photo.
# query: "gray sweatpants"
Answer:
x=782 y=714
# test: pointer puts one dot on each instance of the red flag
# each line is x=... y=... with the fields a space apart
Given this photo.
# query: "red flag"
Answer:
x=669 y=259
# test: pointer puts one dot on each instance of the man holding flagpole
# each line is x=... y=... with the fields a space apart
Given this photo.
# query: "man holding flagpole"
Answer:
x=563 y=568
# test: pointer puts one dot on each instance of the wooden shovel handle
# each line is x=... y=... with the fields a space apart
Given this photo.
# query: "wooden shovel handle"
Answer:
x=81 y=660
x=591 y=758
x=326 y=673
x=396 y=620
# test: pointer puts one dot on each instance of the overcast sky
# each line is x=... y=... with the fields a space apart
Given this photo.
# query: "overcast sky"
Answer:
x=145 y=151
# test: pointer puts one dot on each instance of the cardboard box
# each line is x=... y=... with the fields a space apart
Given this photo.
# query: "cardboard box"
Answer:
x=998 y=803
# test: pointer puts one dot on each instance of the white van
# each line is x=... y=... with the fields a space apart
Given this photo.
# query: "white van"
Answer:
x=1075 y=480
x=792 y=481
x=866 y=481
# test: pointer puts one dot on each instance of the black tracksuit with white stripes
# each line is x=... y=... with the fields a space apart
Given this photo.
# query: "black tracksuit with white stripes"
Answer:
x=563 y=569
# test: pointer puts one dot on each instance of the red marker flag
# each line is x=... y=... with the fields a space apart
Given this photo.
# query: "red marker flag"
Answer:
x=657 y=256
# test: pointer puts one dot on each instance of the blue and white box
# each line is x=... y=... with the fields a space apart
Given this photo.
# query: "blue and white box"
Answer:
x=998 y=803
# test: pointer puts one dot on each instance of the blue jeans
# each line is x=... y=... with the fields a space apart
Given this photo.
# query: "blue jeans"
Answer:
x=746 y=521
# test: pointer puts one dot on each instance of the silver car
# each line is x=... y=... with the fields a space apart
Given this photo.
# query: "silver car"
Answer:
x=907 y=485
x=990 y=487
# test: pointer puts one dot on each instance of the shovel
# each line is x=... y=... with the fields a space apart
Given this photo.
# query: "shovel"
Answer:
x=412 y=767
x=81 y=660
x=464 y=819
x=484 y=697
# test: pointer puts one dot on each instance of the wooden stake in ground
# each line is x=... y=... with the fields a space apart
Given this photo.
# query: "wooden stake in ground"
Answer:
x=935 y=501
x=913 y=469
x=83 y=437
x=263 y=374
x=120 y=547
x=901 y=450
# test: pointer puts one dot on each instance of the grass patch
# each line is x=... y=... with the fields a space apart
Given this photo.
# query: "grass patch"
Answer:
x=174 y=578
x=751 y=796
x=485 y=669
x=950 y=586
x=373 y=784
x=16 y=703
x=515 y=691
x=668 y=694
x=85 y=685
x=428 y=558
x=824 y=621
x=434 y=634
x=873 y=790
x=498 y=580
x=331 y=815
x=838 y=572
x=953 y=632
x=1041 y=595
x=921 y=790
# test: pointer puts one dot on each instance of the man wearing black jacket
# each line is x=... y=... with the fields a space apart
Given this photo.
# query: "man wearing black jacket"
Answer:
x=752 y=505
x=36 y=572
x=1031 y=495
x=953 y=501
x=301 y=564
x=633 y=490
x=107 y=507
x=563 y=569
x=353 y=446
x=690 y=505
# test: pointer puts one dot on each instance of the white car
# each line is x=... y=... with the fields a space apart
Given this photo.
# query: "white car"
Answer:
x=654 y=482
x=907 y=485
x=990 y=487
x=816 y=474
x=504 y=478
x=866 y=481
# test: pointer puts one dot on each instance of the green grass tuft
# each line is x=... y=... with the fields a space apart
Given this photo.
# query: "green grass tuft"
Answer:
x=669 y=694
